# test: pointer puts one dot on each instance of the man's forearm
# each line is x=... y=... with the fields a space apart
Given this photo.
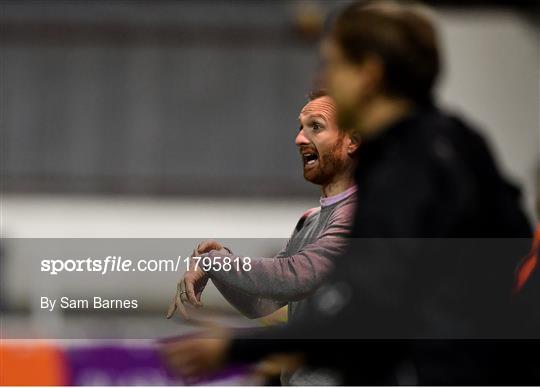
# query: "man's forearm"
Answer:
x=249 y=305
x=281 y=278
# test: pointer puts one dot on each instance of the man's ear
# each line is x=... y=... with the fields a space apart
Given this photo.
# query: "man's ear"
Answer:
x=354 y=143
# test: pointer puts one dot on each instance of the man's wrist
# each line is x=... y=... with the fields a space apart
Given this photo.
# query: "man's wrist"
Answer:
x=216 y=256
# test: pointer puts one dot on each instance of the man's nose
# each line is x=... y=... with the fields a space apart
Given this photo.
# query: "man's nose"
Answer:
x=301 y=138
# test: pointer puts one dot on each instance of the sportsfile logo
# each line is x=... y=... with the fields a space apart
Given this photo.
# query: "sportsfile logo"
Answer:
x=111 y=264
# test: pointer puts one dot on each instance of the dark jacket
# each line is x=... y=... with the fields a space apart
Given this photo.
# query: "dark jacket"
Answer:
x=427 y=280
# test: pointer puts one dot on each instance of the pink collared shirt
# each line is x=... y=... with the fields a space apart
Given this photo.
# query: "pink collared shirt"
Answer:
x=327 y=201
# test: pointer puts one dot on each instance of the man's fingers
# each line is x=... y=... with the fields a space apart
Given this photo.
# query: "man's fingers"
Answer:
x=183 y=292
x=176 y=303
x=181 y=299
x=182 y=309
x=201 y=285
x=190 y=290
x=208 y=245
x=172 y=307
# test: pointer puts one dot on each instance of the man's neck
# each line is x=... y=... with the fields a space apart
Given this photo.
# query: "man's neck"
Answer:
x=381 y=113
x=337 y=187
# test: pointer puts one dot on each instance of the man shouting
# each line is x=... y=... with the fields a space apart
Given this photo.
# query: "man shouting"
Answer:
x=320 y=236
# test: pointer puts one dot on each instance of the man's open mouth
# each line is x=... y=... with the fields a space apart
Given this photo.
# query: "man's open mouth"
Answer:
x=310 y=158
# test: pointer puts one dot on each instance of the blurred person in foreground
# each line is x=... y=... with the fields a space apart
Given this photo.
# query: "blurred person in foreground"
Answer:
x=319 y=237
x=424 y=293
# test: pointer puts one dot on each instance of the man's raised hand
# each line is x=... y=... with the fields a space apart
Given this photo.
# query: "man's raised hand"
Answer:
x=190 y=287
x=207 y=246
